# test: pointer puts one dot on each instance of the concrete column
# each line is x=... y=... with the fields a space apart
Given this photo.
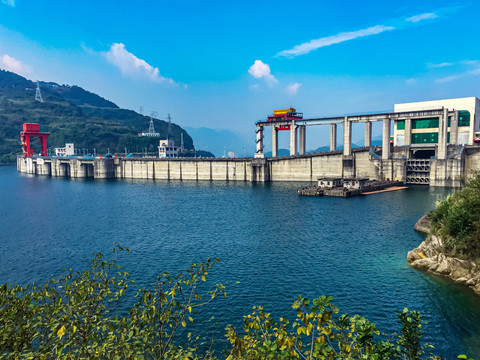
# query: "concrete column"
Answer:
x=347 y=137
x=408 y=132
x=454 y=129
x=386 y=139
x=31 y=166
x=302 y=133
x=440 y=131
x=274 y=141
x=54 y=169
x=104 y=169
x=333 y=137
x=259 y=152
x=368 y=134
x=81 y=169
x=293 y=139
x=442 y=135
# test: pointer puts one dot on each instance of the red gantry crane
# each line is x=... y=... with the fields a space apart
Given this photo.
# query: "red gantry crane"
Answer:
x=285 y=115
x=31 y=131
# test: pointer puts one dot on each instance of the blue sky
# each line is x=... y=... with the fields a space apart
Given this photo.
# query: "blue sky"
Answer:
x=226 y=64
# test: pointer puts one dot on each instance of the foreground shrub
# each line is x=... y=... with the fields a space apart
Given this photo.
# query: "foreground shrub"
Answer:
x=318 y=332
x=77 y=317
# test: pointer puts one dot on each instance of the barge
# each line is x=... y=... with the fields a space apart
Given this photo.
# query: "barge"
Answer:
x=338 y=187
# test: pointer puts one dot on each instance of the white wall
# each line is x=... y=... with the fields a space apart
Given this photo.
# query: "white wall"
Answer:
x=471 y=104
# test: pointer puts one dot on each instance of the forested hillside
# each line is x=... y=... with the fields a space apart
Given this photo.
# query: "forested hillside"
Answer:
x=72 y=114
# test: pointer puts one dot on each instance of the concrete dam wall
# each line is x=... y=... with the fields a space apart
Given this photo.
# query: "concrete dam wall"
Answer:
x=362 y=163
x=184 y=169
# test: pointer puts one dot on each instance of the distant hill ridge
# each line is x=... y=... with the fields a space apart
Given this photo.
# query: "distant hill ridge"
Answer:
x=73 y=114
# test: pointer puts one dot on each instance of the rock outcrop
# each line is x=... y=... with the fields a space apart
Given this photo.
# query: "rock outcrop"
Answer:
x=431 y=256
x=423 y=225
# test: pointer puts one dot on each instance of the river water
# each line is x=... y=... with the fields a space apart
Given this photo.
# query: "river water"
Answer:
x=276 y=244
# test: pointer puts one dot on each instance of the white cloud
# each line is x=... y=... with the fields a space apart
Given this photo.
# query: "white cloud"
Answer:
x=292 y=88
x=11 y=64
x=453 y=77
x=475 y=71
x=440 y=65
x=9 y=2
x=447 y=79
x=261 y=70
x=470 y=67
x=421 y=17
x=471 y=62
x=305 y=48
x=132 y=66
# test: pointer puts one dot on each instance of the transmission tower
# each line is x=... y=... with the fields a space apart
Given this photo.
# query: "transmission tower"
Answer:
x=151 y=128
x=169 y=118
x=141 y=110
x=38 y=93
x=181 y=141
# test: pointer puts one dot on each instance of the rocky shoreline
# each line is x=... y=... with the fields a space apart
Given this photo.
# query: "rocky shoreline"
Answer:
x=431 y=256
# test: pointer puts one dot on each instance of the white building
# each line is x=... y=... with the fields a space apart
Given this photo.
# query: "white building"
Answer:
x=167 y=149
x=425 y=131
x=68 y=150
x=329 y=183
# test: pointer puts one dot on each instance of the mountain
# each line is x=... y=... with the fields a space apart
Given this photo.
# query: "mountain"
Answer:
x=281 y=152
x=72 y=114
x=220 y=141
x=375 y=142
x=320 y=149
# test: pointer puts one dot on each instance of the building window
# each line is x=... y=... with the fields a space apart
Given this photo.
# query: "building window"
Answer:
x=425 y=138
x=425 y=123
x=401 y=125
x=463 y=118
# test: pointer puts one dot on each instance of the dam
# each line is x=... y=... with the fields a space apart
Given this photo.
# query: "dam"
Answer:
x=431 y=146
x=363 y=162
